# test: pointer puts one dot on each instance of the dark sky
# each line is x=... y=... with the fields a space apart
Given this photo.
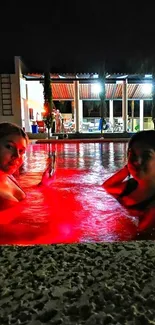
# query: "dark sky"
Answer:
x=79 y=36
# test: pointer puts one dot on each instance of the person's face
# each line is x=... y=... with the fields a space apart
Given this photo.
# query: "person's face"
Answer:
x=12 y=149
x=141 y=162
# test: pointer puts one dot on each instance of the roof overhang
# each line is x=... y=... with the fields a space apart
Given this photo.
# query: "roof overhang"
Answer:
x=63 y=88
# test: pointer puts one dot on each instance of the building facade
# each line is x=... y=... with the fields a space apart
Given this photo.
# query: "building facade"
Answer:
x=21 y=98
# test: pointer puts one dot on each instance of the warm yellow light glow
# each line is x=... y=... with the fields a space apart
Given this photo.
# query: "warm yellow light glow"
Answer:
x=33 y=104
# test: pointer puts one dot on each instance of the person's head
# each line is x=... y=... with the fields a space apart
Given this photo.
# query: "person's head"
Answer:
x=13 y=143
x=141 y=155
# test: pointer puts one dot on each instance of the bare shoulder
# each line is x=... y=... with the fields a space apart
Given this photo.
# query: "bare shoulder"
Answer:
x=5 y=193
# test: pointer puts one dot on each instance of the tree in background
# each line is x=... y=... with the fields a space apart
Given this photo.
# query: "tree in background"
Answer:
x=48 y=115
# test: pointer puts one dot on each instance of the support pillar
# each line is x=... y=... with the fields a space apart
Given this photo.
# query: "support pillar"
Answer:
x=132 y=115
x=124 y=104
x=111 y=113
x=76 y=106
x=141 y=115
x=26 y=112
x=80 y=113
x=72 y=105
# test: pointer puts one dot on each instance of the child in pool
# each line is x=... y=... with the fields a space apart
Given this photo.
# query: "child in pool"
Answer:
x=13 y=143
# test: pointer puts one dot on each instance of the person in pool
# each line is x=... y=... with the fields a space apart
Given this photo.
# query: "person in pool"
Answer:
x=13 y=144
x=134 y=185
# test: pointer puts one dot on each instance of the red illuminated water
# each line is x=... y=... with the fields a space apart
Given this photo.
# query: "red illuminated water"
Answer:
x=76 y=207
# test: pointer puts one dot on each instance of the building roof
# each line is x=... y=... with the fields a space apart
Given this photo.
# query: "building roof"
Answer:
x=63 y=87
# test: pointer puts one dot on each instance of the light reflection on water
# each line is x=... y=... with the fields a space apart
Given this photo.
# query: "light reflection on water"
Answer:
x=76 y=207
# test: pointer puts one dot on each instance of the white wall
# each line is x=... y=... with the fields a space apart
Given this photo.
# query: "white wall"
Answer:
x=35 y=97
x=24 y=95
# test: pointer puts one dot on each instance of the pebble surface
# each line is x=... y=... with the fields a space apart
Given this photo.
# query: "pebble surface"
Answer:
x=90 y=284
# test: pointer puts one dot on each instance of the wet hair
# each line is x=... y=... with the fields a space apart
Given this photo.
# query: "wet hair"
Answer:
x=143 y=138
x=7 y=128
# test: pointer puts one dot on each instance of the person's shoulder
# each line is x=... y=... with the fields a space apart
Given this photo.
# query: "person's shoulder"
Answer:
x=5 y=193
x=3 y=185
x=7 y=201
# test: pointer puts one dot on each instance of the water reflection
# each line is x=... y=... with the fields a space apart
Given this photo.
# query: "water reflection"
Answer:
x=76 y=208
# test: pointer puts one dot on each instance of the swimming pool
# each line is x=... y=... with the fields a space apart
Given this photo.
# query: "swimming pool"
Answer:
x=76 y=208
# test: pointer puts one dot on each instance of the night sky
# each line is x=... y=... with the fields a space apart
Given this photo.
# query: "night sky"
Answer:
x=81 y=36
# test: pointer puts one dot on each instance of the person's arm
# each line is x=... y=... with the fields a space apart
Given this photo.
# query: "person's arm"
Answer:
x=115 y=184
x=47 y=177
x=49 y=173
x=148 y=220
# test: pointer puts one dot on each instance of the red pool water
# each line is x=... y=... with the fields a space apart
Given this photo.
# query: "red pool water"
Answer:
x=76 y=207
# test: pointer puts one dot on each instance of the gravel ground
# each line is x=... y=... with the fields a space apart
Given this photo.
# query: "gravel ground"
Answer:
x=78 y=284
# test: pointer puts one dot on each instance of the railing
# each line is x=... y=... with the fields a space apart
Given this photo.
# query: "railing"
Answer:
x=91 y=124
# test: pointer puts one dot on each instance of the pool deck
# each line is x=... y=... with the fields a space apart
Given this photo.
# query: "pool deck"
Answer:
x=78 y=284
x=80 y=137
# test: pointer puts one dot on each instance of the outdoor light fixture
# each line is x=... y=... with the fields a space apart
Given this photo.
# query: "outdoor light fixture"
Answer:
x=147 y=89
x=96 y=88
